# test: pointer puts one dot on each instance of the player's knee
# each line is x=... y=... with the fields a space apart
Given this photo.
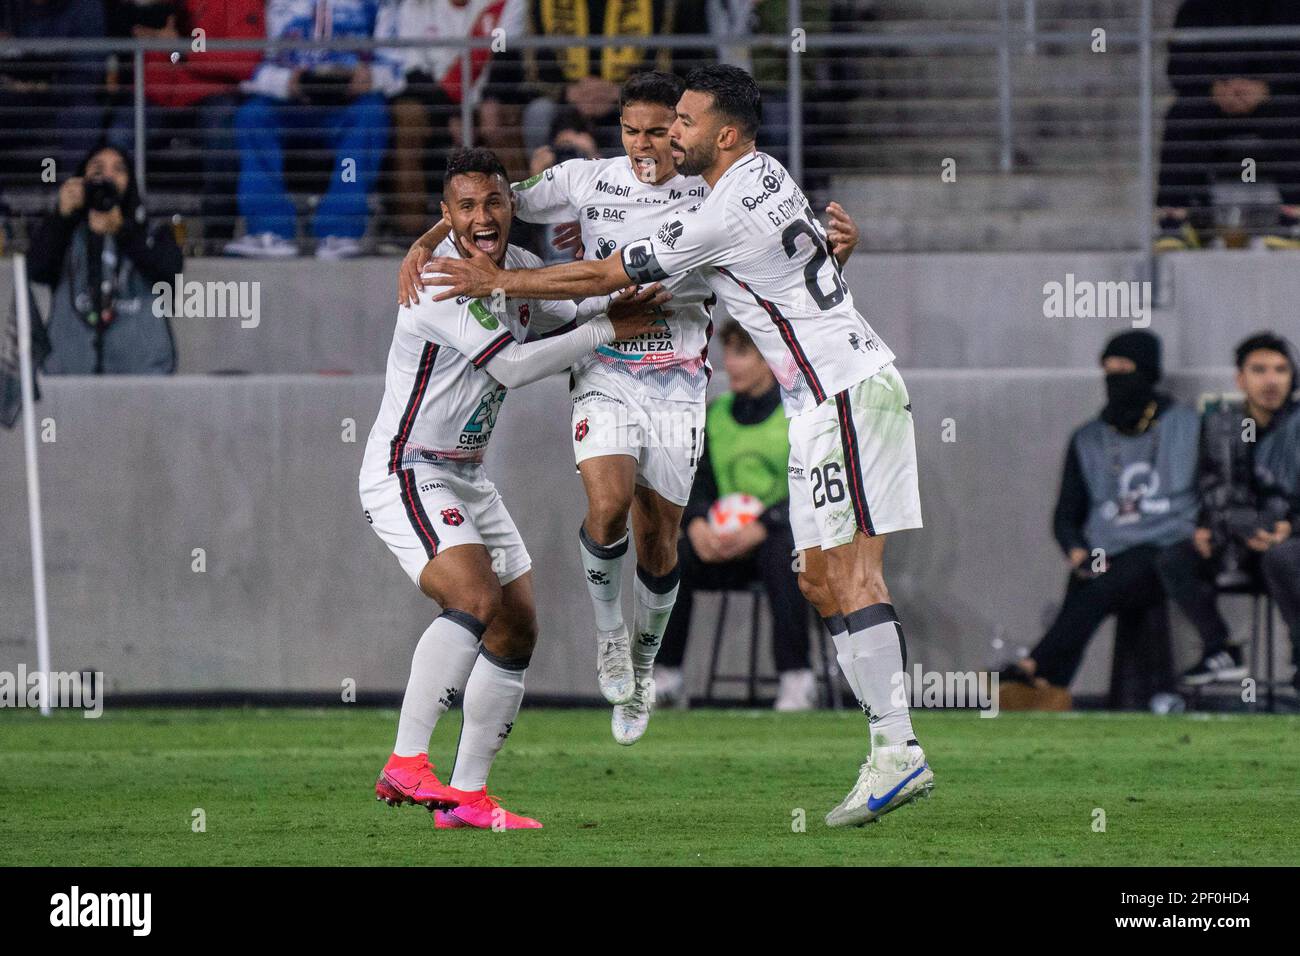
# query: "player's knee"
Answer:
x=814 y=589
x=607 y=518
x=484 y=603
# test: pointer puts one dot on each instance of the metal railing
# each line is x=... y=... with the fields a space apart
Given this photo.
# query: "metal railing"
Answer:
x=821 y=149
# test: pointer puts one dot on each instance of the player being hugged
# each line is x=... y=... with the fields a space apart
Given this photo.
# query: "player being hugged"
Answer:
x=638 y=406
x=426 y=495
x=852 y=468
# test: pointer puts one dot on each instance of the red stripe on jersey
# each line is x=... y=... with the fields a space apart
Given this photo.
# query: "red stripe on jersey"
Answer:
x=422 y=374
x=786 y=332
x=493 y=348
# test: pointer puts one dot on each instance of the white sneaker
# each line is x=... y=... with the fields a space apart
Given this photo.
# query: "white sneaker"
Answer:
x=798 y=690
x=891 y=777
x=263 y=245
x=338 y=247
x=670 y=688
x=614 y=665
x=630 y=720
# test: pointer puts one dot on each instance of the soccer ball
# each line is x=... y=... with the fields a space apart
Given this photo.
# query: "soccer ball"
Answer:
x=732 y=512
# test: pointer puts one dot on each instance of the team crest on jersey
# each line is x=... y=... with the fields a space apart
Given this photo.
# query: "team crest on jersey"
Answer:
x=580 y=430
x=523 y=314
x=483 y=315
x=670 y=232
x=452 y=516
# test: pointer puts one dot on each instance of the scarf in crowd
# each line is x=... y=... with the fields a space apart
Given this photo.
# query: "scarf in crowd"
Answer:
x=622 y=18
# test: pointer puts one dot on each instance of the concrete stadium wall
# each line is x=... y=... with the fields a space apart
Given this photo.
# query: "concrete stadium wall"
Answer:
x=298 y=594
x=957 y=310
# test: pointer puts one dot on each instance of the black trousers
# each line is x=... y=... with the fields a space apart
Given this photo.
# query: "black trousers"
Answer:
x=1129 y=587
x=1188 y=578
x=769 y=563
x=1202 y=145
x=1281 y=565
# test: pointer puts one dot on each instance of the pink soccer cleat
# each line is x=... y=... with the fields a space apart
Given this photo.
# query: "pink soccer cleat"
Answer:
x=412 y=780
x=482 y=811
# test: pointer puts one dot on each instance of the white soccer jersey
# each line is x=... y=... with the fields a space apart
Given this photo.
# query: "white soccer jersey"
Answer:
x=755 y=241
x=613 y=207
x=440 y=404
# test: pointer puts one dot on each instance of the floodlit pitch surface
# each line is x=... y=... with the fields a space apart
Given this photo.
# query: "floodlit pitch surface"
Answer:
x=703 y=787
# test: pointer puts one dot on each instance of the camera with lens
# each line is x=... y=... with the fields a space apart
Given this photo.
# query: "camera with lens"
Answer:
x=1231 y=527
x=102 y=195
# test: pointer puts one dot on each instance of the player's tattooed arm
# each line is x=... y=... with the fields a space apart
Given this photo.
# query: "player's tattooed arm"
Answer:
x=842 y=233
x=409 y=282
x=477 y=275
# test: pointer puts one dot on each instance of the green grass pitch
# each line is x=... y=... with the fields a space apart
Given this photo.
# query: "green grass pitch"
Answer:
x=703 y=787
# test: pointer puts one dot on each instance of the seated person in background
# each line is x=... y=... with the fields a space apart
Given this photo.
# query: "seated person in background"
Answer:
x=327 y=98
x=1244 y=516
x=746 y=449
x=1235 y=100
x=199 y=92
x=52 y=102
x=588 y=78
x=425 y=90
x=101 y=263
x=1128 y=491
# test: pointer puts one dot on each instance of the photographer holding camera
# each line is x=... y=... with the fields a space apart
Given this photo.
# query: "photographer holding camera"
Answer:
x=1249 y=509
x=101 y=262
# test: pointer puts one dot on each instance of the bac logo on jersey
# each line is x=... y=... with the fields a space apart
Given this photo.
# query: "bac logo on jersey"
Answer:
x=452 y=516
x=580 y=430
x=604 y=247
x=483 y=315
x=593 y=213
x=670 y=232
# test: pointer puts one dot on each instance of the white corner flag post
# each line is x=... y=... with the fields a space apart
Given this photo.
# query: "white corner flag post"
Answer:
x=33 y=478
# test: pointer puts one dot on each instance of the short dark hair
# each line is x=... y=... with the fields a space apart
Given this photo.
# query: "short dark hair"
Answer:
x=651 y=86
x=1264 y=340
x=734 y=334
x=735 y=94
x=473 y=160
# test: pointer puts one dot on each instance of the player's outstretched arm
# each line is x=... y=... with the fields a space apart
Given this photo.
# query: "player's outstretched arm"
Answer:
x=417 y=257
x=477 y=275
x=631 y=314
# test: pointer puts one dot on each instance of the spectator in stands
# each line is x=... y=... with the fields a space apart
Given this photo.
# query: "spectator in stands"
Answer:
x=1128 y=491
x=426 y=93
x=328 y=97
x=746 y=449
x=57 y=96
x=1235 y=100
x=198 y=92
x=1248 y=515
x=101 y=262
x=588 y=78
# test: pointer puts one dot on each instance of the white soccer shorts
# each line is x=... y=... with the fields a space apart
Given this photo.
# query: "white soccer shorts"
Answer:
x=665 y=437
x=853 y=464
x=425 y=509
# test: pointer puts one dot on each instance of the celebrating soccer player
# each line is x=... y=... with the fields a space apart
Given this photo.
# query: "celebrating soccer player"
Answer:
x=638 y=407
x=425 y=493
x=755 y=242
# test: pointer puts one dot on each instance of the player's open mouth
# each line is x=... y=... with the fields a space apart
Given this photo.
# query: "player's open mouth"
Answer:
x=486 y=239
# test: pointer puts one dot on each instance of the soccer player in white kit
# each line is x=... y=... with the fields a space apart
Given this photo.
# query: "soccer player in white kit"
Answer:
x=638 y=407
x=426 y=495
x=852 y=470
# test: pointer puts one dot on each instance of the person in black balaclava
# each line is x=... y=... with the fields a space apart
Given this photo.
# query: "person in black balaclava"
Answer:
x=1128 y=491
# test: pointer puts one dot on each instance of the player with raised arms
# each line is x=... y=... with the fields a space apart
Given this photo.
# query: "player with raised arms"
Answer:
x=426 y=495
x=852 y=469
x=638 y=407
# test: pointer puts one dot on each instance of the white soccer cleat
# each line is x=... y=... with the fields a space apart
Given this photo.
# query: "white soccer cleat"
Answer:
x=614 y=666
x=891 y=777
x=630 y=720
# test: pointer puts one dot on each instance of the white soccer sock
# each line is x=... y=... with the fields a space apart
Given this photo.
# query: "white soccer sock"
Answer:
x=839 y=632
x=655 y=597
x=876 y=657
x=441 y=665
x=493 y=694
x=603 y=566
